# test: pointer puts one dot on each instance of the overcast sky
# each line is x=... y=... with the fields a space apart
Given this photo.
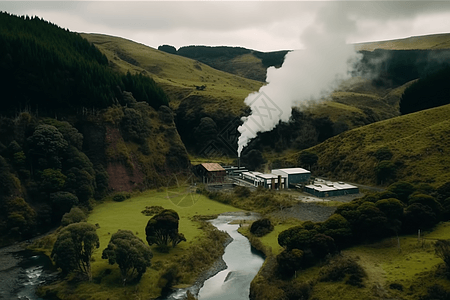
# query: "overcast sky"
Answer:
x=260 y=25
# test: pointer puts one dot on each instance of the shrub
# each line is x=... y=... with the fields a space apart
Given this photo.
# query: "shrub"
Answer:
x=242 y=191
x=152 y=210
x=289 y=261
x=343 y=267
x=75 y=215
x=261 y=227
x=119 y=197
x=442 y=250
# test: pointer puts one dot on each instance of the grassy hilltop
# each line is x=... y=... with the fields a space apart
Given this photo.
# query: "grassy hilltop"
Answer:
x=419 y=144
x=178 y=76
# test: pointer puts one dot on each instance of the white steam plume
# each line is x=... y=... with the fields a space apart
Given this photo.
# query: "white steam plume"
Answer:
x=305 y=75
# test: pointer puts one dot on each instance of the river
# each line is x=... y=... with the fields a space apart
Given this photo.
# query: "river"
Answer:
x=243 y=263
x=21 y=271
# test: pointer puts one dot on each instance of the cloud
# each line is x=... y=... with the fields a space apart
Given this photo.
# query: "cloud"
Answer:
x=273 y=25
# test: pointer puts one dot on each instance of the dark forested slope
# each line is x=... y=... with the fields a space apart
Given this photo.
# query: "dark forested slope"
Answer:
x=72 y=130
x=45 y=67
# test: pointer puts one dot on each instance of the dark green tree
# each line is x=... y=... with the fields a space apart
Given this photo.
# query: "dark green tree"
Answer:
x=442 y=250
x=392 y=208
x=261 y=227
x=168 y=48
x=427 y=200
x=307 y=159
x=337 y=227
x=253 y=159
x=62 y=202
x=130 y=253
x=419 y=216
x=75 y=215
x=385 y=171
x=162 y=229
x=52 y=180
x=372 y=223
x=20 y=218
x=46 y=146
x=402 y=189
x=289 y=261
x=74 y=247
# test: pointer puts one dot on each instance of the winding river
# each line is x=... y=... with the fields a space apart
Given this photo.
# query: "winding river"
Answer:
x=242 y=262
x=22 y=271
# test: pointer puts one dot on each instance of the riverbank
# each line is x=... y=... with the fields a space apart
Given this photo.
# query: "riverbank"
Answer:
x=22 y=271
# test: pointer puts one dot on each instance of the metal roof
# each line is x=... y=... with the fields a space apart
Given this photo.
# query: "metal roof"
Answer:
x=326 y=186
x=212 y=167
x=268 y=176
x=292 y=171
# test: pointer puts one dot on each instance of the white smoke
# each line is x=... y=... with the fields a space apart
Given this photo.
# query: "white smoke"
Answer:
x=306 y=75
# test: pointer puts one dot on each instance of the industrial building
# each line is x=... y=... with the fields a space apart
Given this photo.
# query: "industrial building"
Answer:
x=269 y=181
x=294 y=175
x=322 y=188
x=210 y=172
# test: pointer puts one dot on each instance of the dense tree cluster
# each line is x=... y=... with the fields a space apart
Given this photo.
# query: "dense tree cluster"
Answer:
x=162 y=229
x=428 y=92
x=403 y=208
x=130 y=253
x=391 y=68
x=44 y=174
x=74 y=247
x=49 y=69
x=261 y=227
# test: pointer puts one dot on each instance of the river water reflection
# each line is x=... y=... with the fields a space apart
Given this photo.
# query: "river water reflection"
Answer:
x=243 y=264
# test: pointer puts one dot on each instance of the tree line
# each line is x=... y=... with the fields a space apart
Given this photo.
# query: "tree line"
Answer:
x=402 y=209
x=46 y=68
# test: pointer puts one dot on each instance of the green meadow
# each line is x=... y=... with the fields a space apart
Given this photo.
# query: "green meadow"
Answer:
x=407 y=261
x=112 y=216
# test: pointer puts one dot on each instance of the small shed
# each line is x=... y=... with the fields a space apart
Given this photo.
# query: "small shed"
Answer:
x=210 y=172
x=294 y=175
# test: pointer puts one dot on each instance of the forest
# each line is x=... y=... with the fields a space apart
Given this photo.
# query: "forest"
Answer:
x=67 y=122
x=52 y=70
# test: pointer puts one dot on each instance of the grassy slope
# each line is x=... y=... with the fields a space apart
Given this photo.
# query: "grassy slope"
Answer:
x=420 y=143
x=433 y=41
x=413 y=266
x=112 y=216
x=177 y=75
x=224 y=91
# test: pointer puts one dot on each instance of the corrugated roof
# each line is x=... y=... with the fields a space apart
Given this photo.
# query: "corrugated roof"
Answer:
x=212 y=167
x=293 y=171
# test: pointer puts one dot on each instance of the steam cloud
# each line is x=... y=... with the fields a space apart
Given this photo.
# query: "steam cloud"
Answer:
x=306 y=75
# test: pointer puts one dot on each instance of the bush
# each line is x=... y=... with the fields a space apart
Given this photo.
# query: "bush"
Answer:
x=442 y=250
x=75 y=215
x=119 y=197
x=242 y=191
x=261 y=227
x=152 y=210
x=343 y=267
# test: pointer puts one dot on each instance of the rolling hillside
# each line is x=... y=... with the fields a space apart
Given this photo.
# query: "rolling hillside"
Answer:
x=419 y=143
x=424 y=42
x=179 y=76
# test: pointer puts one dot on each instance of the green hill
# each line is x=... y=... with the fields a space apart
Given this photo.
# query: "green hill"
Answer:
x=72 y=129
x=419 y=143
x=424 y=42
x=179 y=76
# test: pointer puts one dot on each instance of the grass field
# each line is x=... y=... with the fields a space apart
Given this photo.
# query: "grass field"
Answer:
x=112 y=216
x=413 y=265
x=177 y=75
